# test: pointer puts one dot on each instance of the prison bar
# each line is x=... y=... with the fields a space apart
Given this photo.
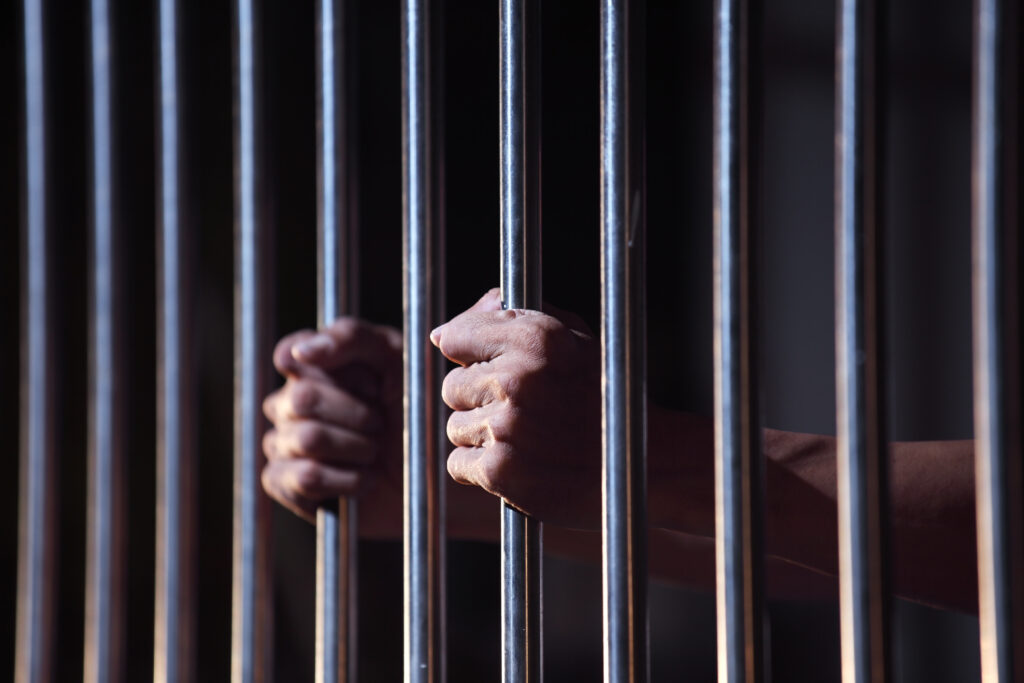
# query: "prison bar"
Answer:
x=105 y=548
x=738 y=454
x=519 y=150
x=337 y=526
x=34 y=646
x=251 y=600
x=421 y=494
x=176 y=531
x=996 y=227
x=997 y=328
x=861 y=442
x=623 y=381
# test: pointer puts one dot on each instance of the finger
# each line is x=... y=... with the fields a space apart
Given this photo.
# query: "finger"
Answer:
x=462 y=464
x=285 y=361
x=318 y=401
x=349 y=340
x=490 y=301
x=483 y=467
x=271 y=403
x=479 y=427
x=569 y=319
x=308 y=439
x=474 y=337
x=302 y=485
x=270 y=448
x=477 y=385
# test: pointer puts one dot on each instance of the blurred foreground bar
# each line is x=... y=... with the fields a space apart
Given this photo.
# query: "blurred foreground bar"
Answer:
x=105 y=558
x=998 y=405
x=337 y=527
x=175 y=581
x=34 y=648
x=738 y=454
x=252 y=599
x=860 y=417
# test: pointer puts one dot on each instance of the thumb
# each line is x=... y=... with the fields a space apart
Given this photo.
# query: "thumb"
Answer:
x=491 y=301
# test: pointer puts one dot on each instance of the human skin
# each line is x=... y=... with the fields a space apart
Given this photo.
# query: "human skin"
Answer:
x=525 y=426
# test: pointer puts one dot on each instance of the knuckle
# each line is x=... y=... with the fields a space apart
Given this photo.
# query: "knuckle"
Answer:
x=310 y=438
x=454 y=465
x=501 y=426
x=268 y=406
x=494 y=469
x=269 y=443
x=283 y=350
x=345 y=327
x=268 y=481
x=551 y=335
x=507 y=384
x=451 y=387
x=453 y=428
x=307 y=479
x=305 y=398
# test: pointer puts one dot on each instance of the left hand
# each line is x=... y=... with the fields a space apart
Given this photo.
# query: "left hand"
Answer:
x=527 y=402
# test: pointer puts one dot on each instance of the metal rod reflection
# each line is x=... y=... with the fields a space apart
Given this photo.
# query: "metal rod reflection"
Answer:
x=623 y=324
x=251 y=640
x=521 y=537
x=738 y=459
x=996 y=220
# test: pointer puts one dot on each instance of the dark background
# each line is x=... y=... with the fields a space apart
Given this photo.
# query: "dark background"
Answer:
x=928 y=258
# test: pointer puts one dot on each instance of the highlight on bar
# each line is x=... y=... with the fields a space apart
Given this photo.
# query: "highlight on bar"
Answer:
x=305 y=391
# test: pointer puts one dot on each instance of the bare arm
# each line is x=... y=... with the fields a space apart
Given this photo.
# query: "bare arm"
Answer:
x=931 y=514
x=526 y=427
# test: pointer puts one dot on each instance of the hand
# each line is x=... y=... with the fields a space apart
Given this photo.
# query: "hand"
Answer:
x=527 y=402
x=338 y=423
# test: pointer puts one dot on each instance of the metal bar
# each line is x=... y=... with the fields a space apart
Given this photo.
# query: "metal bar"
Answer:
x=176 y=531
x=521 y=537
x=337 y=529
x=420 y=467
x=104 y=595
x=251 y=619
x=623 y=471
x=738 y=459
x=861 y=445
x=996 y=226
x=34 y=652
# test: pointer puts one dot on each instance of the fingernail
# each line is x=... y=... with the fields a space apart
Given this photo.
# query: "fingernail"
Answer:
x=310 y=348
x=435 y=335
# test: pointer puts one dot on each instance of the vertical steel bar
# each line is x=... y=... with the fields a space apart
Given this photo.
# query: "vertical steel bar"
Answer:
x=251 y=639
x=738 y=459
x=996 y=226
x=420 y=468
x=623 y=482
x=337 y=528
x=861 y=445
x=34 y=655
x=521 y=537
x=175 y=600
x=104 y=594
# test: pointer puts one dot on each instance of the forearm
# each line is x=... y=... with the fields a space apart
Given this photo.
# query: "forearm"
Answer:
x=931 y=513
x=673 y=556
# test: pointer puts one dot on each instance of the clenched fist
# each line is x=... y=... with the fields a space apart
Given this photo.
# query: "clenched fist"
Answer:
x=527 y=402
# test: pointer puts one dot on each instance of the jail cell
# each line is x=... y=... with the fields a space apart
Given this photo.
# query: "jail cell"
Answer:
x=653 y=145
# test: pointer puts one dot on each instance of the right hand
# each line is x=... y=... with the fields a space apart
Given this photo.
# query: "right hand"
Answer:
x=338 y=423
